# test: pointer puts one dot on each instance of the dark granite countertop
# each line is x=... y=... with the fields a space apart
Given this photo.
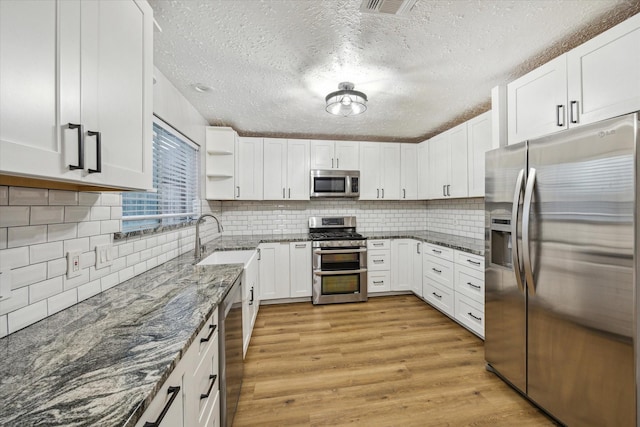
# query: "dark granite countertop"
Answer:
x=101 y=362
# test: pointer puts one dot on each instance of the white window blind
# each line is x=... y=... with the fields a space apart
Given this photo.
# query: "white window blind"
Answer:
x=175 y=178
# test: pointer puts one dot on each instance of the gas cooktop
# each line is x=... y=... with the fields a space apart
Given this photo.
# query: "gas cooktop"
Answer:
x=334 y=231
x=335 y=235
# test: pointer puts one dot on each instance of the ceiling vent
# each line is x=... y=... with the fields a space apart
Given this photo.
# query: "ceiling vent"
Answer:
x=392 y=7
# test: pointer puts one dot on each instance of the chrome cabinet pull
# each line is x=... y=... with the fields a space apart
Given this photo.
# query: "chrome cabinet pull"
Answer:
x=474 y=286
x=479 y=319
x=212 y=380
x=378 y=244
x=174 y=390
x=378 y=261
x=98 y=168
x=560 y=115
x=574 y=108
x=80 y=129
x=301 y=245
x=208 y=337
x=378 y=282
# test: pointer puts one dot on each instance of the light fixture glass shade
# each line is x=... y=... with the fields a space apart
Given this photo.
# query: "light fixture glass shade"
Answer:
x=346 y=101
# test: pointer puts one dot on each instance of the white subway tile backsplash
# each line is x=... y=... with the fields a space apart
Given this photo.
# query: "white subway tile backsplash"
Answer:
x=125 y=274
x=88 y=259
x=76 y=213
x=24 y=276
x=19 y=298
x=3 y=326
x=124 y=248
x=88 y=228
x=139 y=268
x=23 y=236
x=4 y=195
x=76 y=281
x=13 y=258
x=26 y=316
x=116 y=212
x=28 y=196
x=111 y=199
x=108 y=282
x=57 y=232
x=61 y=301
x=63 y=198
x=42 y=290
x=81 y=244
x=13 y=216
x=99 y=240
x=46 y=215
x=109 y=226
x=45 y=252
x=89 y=199
x=57 y=267
x=100 y=213
x=88 y=290
x=3 y=238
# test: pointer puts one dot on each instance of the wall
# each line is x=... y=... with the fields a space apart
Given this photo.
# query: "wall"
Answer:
x=460 y=217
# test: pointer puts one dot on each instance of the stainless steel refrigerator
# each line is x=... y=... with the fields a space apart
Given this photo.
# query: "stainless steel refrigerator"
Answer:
x=561 y=271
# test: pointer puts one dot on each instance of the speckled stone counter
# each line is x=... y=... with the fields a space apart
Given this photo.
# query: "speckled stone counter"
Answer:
x=465 y=244
x=100 y=362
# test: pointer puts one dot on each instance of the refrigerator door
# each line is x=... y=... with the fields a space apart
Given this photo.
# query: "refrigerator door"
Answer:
x=580 y=270
x=505 y=309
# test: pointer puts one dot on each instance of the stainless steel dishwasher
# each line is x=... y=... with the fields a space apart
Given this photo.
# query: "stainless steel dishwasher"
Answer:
x=231 y=362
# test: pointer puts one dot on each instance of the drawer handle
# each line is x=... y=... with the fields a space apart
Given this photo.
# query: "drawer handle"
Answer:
x=301 y=245
x=436 y=270
x=435 y=251
x=378 y=282
x=80 y=129
x=436 y=295
x=212 y=379
x=98 y=168
x=473 y=262
x=479 y=319
x=378 y=261
x=474 y=286
x=378 y=244
x=213 y=329
x=171 y=390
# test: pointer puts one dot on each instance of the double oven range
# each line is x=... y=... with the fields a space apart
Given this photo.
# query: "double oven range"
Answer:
x=339 y=258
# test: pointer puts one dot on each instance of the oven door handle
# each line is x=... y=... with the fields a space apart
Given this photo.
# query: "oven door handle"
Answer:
x=339 y=272
x=338 y=251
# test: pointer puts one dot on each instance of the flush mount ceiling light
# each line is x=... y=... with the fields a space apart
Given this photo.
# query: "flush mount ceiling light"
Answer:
x=346 y=101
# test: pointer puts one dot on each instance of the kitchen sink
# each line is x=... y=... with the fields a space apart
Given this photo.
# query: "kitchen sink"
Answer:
x=228 y=257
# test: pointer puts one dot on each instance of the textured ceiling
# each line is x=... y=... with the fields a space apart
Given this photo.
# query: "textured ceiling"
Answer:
x=270 y=63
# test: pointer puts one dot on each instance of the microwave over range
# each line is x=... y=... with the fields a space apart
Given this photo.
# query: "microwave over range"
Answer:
x=334 y=183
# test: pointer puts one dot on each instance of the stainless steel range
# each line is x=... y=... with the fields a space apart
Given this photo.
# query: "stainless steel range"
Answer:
x=339 y=257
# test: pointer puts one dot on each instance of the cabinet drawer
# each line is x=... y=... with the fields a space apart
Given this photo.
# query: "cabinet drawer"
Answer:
x=378 y=244
x=470 y=260
x=205 y=339
x=438 y=296
x=470 y=283
x=378 y=281
x=378 y=260
x=438 y=270
x=438 y=251
x=206 y=382
x=169 y=400
x=470 y=313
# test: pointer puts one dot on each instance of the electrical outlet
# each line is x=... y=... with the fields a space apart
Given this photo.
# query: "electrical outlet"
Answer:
x=73 y=264
x=5 y=285
x=104 y=255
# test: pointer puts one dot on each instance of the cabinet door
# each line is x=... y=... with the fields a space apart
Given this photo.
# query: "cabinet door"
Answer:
x=249 y=169
x=347 y=154
x=370 y=171
x=322 y=156
x=438 y=166
x=424 y=187
x=401 y=264
x=220 y=163
x=274 y=270
x=116 y=95
x=408 y=171
x=416 y=280
x=300 y=264
x=30 y=141
x=390 y=165
x=536 y=102
x=173 y=402
x=298 y=169
x=458 y=169
x=275 y=169
x=604 y=75
x=479 y=141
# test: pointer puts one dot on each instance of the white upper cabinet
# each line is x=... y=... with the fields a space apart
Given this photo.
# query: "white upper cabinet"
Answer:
x=408 y=171
x=286 y=169
x=342 y=155
x=595 y=81
x=448 y=163
x=248 y=169
x=101 y=92
x=424 y=184
x=604 y=75
x=379 y=171
x=479 y=141
x=536 y=102
x=220 y=163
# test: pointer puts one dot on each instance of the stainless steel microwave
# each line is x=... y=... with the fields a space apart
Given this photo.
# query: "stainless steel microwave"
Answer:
x=334 y=183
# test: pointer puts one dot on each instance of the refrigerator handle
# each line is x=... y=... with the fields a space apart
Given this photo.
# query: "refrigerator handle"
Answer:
x=515 y=255
x=526 y=210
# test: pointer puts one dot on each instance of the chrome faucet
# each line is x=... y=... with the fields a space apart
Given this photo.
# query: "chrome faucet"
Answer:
x=199 y=246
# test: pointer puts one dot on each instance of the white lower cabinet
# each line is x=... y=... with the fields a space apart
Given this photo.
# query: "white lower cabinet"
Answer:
x=406 y=266
x=190 y=396
x=470 y=313
x=300 y=266
x=378 y=281
x=250 y=299
x=378 y=265
x=439 y=296
x=285 y=270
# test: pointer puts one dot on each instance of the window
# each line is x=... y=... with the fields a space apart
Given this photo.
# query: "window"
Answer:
x=175 y=179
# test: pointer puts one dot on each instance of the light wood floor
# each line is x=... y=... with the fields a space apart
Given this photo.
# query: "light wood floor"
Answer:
x=393 y=361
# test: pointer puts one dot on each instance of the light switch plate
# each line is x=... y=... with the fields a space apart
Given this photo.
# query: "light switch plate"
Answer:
x=104 y=255
x=5 y=285
x=73 y=264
